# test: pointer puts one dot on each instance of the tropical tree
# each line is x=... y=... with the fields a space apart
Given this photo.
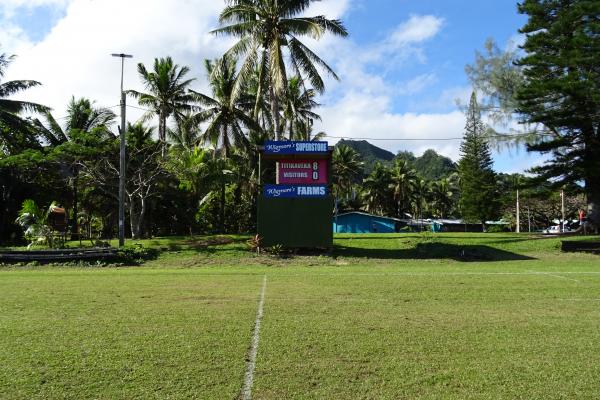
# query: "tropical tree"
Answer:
x=442 y=196
x=186 y=133
x=403 y=179
x=84 y=127
x=224 y=113
x=377 y=193
x=13 y=128
x=347 y=170
x=420 y=196
x=167 y=92
x=265 y=29
x=478 y=200
x=297 y=109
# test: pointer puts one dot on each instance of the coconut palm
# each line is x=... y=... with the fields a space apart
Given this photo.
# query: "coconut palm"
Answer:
x=442 y=193
x=347 y=169
x=297 y=109
x=420 y=194
x=403 y=181
x=225 y=114
x=267 y=27
x=11 y=120
x=167 y=92
x=377 y=189
x=186 y=133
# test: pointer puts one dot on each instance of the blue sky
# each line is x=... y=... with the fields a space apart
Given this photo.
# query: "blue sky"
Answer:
x=402 y=68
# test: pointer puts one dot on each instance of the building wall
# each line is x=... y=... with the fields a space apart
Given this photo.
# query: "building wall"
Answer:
x=359 y=223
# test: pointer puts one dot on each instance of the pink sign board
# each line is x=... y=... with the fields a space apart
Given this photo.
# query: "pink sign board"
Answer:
x=301 y=172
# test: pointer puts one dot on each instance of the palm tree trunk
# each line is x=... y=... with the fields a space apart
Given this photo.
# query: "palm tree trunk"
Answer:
x=260 y=85
x=162 y=135
x=275 y=112
x=75 y=201
x=222 y=211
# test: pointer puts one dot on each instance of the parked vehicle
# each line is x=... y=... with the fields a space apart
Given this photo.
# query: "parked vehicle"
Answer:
x=555 y=229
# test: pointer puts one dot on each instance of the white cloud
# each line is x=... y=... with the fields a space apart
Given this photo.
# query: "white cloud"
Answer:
x=363 y=116
x=74 y=58
x=417 y=29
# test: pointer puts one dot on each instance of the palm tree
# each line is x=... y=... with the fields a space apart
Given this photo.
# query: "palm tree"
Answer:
x=403 y=181
x=377 y=189
x=186 y=133
x=420 y=194
x=85 y=125
x=10 y=110
x=225 y=113
x=167 y=92
x=442 y=194
x=265 y=28
x=347 y=169
x=297 y=109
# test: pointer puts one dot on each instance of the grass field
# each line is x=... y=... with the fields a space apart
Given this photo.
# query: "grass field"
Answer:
x=450 y=316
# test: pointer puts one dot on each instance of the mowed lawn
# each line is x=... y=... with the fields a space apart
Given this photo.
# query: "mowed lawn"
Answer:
x=456 y=316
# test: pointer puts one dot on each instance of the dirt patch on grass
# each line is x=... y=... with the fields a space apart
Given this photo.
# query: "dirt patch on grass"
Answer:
x=203 y=243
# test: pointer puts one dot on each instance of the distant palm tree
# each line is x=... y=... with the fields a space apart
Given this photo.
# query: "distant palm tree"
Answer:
x=10 y=119
x=265 y=28
x=167 y=92
x=347 y=169
x=442 y=193
x=403 y=182
x=297 y=109
x=420 y=195
x=377 y=191
x=225 y=114
x=186 y=133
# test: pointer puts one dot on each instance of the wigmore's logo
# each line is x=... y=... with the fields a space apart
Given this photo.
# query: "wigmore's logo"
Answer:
x=278 y=192
x=279 y=147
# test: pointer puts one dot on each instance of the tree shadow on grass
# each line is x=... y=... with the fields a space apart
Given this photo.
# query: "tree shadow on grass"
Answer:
x=425 y=251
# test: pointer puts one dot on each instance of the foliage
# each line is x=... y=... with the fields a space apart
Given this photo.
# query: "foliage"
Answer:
x=167 y=92
x=562 y=90
x=478 y=200
x=34 y=222
x=347 y=170
x=551 y=86
x=265 y=28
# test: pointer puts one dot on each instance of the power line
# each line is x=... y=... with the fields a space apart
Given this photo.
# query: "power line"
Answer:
x=139 y=108
x=68 y=116
x=434 y=139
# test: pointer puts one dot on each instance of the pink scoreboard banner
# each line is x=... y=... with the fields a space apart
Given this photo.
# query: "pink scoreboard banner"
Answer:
x=301 y=172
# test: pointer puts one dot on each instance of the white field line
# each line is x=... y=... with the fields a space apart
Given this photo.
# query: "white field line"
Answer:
x=578 y=299
x=440 y=273
x=555 y=276
x=333 y=274
x=246 y=393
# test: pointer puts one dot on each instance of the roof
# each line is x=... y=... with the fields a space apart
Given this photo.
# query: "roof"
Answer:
x=369 y=215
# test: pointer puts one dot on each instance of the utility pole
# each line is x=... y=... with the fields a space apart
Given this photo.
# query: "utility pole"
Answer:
x=122 y=132
x=518 y=214
x=562 y=210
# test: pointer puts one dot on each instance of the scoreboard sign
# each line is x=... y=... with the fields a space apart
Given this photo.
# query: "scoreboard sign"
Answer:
x=294 y=210
x=294 y=172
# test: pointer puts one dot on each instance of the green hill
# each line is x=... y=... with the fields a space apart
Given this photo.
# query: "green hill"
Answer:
x=430 y=166
x=370 y=154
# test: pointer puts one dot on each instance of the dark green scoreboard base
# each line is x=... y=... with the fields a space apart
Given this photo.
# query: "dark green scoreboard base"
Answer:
x=296 y=222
